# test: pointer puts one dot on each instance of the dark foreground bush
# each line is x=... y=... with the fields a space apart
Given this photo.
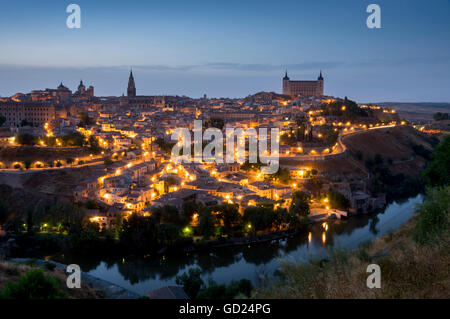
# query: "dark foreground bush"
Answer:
x=33 y=285
x=432 y=224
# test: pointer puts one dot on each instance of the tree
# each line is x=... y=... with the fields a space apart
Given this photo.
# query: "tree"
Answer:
x=27 y=163
x=94 y=146
x=229 y=215
x=165 y=146
x=233 y=290
x=331 y=136
x=206 y=224
x=337 y=200
x=260 y=218
x=30 y=210
x=283 y=176
x=170 y=181
x=191 y=282
x=168 y=214
x=85 y=120
x=73 y=139
x=139 y=233
x=26 y=139
x=300 y=204
x=4 y=212
x=216 y=123
x=189 y=209
x=433 y=221
x=314 y=185
x=438 y=171
x=168 y=234
x=14 y=225
x=436 y=116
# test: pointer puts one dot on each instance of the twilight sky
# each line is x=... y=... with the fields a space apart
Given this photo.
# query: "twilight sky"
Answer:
x=229 y=48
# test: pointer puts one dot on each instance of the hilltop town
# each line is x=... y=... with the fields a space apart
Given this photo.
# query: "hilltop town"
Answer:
x=113 y=155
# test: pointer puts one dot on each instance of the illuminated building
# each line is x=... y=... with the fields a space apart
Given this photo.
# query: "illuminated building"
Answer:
x=299 y=88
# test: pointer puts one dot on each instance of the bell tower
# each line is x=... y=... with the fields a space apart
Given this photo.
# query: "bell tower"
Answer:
x=131 y=91
x=320 y=85
x=286 y=89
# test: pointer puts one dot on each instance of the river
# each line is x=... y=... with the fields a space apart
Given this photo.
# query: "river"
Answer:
x=248 y=262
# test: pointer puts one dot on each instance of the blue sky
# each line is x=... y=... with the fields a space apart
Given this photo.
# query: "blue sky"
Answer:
x=229 y=48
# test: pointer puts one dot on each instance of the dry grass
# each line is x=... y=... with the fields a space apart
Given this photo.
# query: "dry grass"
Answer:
x=407 y=271
x=10 y=272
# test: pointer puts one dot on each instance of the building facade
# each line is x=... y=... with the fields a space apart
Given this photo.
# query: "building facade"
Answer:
x=36 y=113
x=299 y=88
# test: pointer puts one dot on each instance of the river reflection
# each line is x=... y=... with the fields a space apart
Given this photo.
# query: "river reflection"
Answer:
x=223 y=265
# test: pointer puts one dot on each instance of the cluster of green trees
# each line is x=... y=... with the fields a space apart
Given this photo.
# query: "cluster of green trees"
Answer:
x=438 y=171
x=294 y=136
x=165 y=146
x=331 y=136
x=247 y=166
x=433 y=218
x=68 y=140
x=85 y=120
x=58 y=225
x=216 y=123
x=34 y=284
x=348 y=109
x=61 y=224
x=283 y=176
x=440 y=116
x=195 y=287
x=337 y=200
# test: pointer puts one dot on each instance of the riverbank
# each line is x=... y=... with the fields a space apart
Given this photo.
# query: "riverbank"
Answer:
x=414 y=262
x=255 y=262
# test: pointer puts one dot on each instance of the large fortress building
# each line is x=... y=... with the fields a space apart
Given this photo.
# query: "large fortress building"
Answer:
x=298 y=88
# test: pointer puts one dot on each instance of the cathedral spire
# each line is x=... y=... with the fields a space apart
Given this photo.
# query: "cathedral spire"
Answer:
x=320 y=78
x=131 y=91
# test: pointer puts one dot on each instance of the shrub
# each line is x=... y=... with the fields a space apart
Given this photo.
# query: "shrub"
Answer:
x=433 y=224
x=33 y=285
x=191 y=282
x=50 y=266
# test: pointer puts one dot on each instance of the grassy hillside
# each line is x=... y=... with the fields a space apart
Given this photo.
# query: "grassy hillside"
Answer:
x=405 y=147
x=398 y=144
